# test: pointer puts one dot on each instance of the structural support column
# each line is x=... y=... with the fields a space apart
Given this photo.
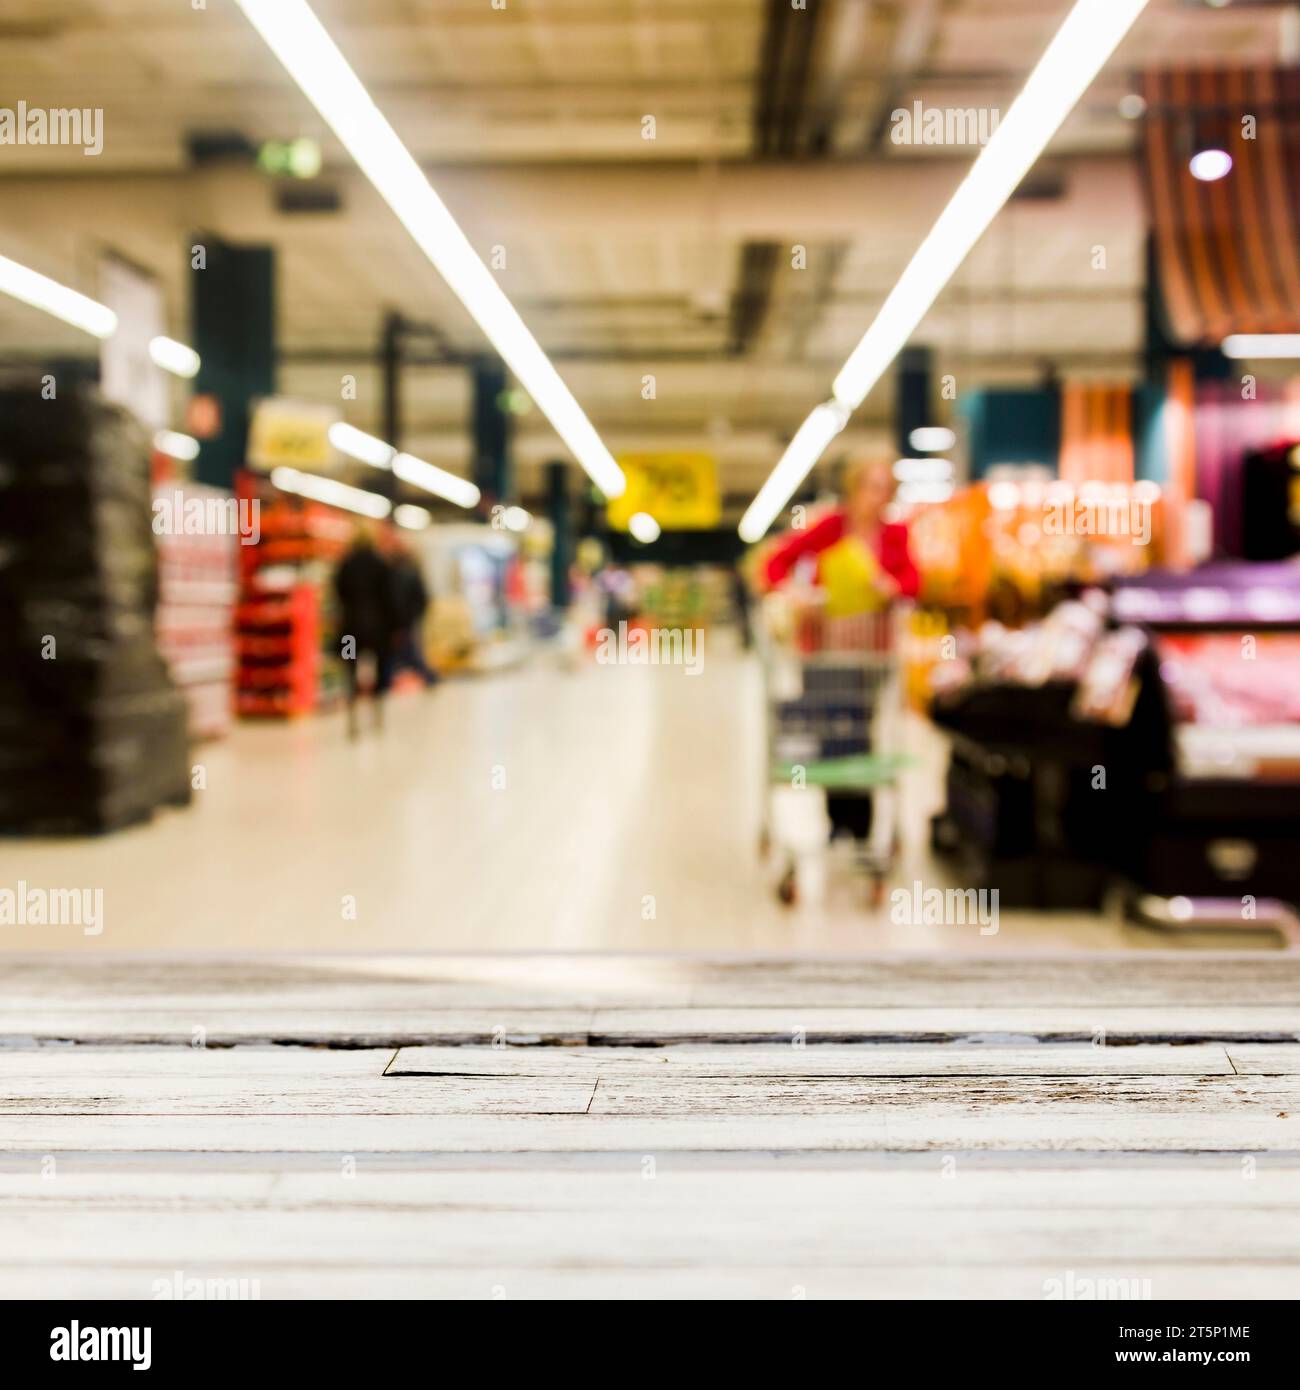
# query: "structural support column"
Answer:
x=234 y=335
x=491 y=429
x=559 y=508
x=390 y=367
x=912 y=400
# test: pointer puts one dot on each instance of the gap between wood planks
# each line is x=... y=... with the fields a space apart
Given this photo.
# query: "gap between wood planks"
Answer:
x=395 y=1042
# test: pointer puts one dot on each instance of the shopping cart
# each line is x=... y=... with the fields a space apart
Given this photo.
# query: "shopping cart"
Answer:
x=833 y=701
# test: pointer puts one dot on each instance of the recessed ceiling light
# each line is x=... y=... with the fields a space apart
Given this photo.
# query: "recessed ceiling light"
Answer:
x=643 y=527
x=1260 y=345
x=927 y=470
x=932 y=439
x=1132 y=106
x=1210 y=165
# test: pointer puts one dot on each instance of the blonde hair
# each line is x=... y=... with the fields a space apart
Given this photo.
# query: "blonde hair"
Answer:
x=855 y=469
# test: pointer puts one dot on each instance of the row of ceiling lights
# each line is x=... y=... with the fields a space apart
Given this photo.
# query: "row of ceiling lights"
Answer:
x=1085 y=40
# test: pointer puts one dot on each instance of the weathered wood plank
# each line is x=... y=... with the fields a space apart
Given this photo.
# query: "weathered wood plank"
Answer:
x=636 y=1234
x=997 y=1020
x=1103 y=1126
x=277 y=1024
x=544 y=980
x=54 y=1063
x=640 y=1027
x=828 y=1059
x=594 y=1184
x=1276 y=1059
x=197 y=1092
x=637 y=1094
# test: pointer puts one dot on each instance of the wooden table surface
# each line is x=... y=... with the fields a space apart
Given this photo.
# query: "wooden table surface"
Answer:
x=601 y=1126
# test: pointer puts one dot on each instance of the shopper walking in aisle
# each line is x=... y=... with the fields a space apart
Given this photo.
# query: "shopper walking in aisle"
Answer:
x=863 y=564
x=861 y=558
x=410 y=603
x=368 y=621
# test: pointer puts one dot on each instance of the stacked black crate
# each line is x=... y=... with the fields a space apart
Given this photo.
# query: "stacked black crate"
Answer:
x=92 y=731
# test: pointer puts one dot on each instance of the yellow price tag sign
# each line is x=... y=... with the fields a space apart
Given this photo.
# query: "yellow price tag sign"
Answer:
x=680 y=490
x=290 y=434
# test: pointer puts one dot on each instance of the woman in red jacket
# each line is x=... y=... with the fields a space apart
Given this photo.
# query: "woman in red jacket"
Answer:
x=853 y=543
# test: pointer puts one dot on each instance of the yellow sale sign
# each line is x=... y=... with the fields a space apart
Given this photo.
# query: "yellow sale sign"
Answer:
x=290 y=433
x=680 y=490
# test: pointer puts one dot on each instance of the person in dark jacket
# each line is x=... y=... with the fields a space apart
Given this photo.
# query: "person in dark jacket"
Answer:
x=411 y=601
x=368 y=620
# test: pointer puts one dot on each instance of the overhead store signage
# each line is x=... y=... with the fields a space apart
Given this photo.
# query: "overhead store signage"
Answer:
x=680 y=490
x=290 y=434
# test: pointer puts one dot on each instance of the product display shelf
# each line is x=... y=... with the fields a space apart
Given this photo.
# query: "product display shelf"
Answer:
x=198 y=584
x=284 y=619
x=279 y=656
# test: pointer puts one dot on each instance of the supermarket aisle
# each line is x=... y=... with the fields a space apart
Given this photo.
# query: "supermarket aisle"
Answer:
x=607 y=808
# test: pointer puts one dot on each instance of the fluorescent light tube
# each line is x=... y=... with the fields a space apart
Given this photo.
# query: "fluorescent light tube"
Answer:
x=366 y=448
x=413 y=518
x=923 y=471
x=311 y=58
x=43 y=293
x=932 y=439
x=178 y=446
x=1261 y=345
x=643 y=528
x=436 y=480
x=810 y=440
x=359 y=445
x=331 y=492
x=174 y=357
x=1089 y=35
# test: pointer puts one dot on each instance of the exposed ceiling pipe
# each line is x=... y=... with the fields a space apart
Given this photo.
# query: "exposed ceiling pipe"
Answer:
x=912 y=43
x=783 y=103
x=844 y=58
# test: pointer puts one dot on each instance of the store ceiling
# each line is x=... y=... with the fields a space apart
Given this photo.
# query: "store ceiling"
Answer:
x=625 y=256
